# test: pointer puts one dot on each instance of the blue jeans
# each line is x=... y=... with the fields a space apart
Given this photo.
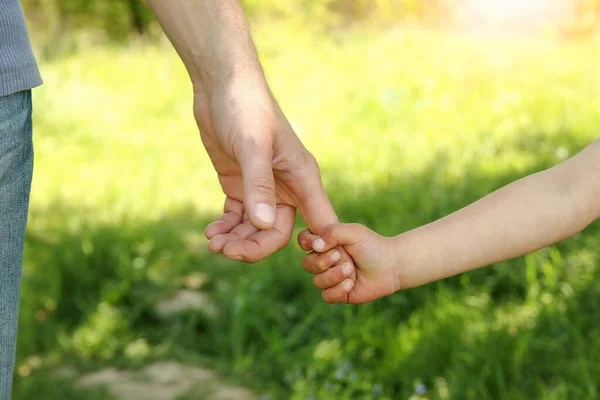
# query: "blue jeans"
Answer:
x=16 y=169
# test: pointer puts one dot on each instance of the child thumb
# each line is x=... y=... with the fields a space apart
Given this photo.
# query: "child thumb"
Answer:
x=339 y=234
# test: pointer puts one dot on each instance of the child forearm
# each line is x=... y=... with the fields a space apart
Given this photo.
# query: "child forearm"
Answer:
x=524 y=216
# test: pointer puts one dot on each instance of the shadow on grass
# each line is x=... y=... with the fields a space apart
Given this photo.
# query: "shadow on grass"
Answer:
x=90 y=290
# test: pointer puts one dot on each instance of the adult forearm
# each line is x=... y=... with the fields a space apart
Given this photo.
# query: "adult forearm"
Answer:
x=212 y=38
x=522 y=217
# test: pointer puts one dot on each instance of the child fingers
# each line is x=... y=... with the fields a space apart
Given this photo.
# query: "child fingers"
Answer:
x=338 y=293
x=316 y=263
x=305 y=239
x=333 y=276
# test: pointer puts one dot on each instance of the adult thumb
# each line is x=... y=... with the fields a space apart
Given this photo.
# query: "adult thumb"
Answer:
x=259 y=186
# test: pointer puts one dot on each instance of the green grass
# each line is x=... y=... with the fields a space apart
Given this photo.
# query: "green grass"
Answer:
x=408 y=126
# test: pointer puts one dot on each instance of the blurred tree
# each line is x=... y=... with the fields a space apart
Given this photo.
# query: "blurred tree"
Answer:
x=136 y=13
x=116 y=20
x=585 y=20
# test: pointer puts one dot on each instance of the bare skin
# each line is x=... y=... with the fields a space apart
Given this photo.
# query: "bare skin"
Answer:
x=265 y=171
x=522 y=217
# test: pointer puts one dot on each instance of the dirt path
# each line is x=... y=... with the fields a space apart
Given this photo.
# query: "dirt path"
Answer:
x=165 y=380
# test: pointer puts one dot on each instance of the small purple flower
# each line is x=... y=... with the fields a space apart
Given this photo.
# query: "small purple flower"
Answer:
x=420 y=389
x=348 y=365
x=340 y=374
x=377 y=389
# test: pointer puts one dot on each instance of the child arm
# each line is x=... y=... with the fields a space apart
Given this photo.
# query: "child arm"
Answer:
x=517 y=219
x=522 y=217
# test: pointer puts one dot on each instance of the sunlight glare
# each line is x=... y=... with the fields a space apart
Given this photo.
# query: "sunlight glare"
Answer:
x=514 y=14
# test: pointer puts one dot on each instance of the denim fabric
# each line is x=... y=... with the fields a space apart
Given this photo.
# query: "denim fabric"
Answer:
x=16 y=169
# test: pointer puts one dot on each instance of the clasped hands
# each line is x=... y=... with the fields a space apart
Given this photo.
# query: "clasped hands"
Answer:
x=266 y=174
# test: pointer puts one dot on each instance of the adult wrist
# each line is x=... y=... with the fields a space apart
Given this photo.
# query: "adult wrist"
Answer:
x=209 y=80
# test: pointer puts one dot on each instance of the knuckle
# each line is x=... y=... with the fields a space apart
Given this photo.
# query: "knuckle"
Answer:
x=321 y=265
x=264 y=184
x=306 y=263
x=329 y=232
x=298 y=162
x=317 y=281
x=327 y=297
x=310 y=263
x=250 y=147
x=309 y=160
x=257 y=136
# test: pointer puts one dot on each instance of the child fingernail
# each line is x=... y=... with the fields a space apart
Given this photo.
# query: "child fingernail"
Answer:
x=335 y=256
x=347 y=269
x=319 y=244
x=348 y=284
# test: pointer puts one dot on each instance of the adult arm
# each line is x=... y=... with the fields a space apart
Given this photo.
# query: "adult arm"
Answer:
x=264 y=170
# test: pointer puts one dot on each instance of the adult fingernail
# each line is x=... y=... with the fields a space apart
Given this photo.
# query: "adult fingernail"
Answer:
x=335 y=256
x=347 y=269
x=265 y=213
x=348 y=284
x=319 y=244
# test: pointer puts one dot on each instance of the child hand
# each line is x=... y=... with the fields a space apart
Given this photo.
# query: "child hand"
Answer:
x=373 y=257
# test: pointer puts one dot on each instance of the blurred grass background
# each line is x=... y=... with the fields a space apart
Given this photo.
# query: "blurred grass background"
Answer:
x=410 y=119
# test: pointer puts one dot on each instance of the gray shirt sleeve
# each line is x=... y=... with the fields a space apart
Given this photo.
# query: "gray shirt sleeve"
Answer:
x=18 y=67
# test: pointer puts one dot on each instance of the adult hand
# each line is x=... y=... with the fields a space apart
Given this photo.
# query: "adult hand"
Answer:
x=263 y=168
